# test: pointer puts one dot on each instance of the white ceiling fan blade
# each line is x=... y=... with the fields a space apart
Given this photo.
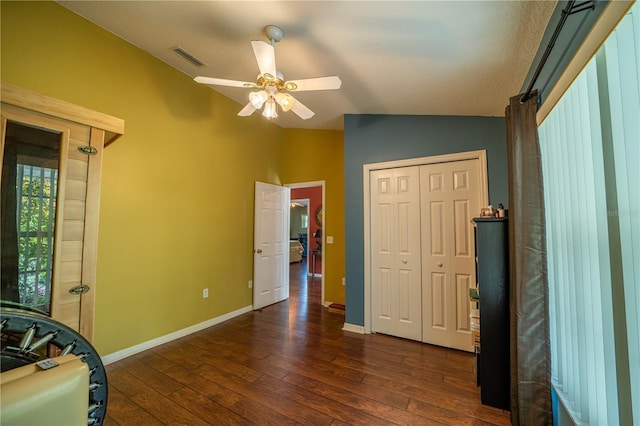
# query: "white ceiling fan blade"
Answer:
x=319 y=83
x=301 y=110
x=223 y=82
x=265 y=56
x=247 y=110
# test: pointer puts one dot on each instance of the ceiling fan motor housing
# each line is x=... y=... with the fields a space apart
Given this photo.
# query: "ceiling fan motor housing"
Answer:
x=273 y=33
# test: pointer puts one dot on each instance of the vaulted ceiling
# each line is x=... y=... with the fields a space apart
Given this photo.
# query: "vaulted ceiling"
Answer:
x=415 y=57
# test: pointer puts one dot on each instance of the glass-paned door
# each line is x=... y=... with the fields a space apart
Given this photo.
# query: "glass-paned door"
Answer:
x=29 y=190
x=50 y=198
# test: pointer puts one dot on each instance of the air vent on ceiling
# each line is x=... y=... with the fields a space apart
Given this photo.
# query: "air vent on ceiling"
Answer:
x=188 y=56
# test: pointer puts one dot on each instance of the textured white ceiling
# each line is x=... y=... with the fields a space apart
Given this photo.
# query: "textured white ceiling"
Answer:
x=415 y=57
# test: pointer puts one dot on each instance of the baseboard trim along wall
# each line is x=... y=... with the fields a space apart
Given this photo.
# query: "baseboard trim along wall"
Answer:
x=117 y=356
x=353 y=328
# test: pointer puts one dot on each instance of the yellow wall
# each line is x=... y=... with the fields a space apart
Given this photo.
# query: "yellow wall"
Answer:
x=177 y=189
x=313 y=155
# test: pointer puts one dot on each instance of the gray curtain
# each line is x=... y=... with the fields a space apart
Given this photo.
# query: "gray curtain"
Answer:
x=528 y=291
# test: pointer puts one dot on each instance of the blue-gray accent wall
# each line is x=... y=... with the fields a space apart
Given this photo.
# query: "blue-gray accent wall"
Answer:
x=376 y=138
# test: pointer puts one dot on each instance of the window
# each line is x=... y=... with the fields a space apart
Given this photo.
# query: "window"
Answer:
x=36 y=196
x=28 y=214
x=590 y=148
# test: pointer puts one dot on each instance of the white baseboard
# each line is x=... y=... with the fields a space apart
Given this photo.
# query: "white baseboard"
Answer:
x=353 y=328
x=117 y=356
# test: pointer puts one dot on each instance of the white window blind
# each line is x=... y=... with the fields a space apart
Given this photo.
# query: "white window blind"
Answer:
x=622 y=57
x=590 y=147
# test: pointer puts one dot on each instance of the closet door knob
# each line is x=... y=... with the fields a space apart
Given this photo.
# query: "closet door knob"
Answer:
x=404 y=261
x=440 y=265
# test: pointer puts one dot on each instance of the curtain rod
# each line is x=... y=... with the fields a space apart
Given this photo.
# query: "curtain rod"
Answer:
x=566 y=12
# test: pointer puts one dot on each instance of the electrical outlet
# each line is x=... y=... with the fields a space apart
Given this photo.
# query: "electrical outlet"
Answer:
x=250 y=283
x=329 y=239
x=344 y=281
x=205 y=293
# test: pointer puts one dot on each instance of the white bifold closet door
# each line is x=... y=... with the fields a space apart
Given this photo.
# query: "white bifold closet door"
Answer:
x=423 y=252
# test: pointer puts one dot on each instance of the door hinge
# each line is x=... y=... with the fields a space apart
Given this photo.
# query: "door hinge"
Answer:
x=79 y=289
x=88 y=150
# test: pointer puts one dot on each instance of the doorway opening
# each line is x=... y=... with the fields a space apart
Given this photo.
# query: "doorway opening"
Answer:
x=306 y=224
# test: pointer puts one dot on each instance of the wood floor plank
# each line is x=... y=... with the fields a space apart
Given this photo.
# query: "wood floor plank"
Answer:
x=206 y=409
x=443 y=397
x=150 y=399
x=122 y=411
x=372 y=367
x=317 y=365
x=422 y=366
x=292 y=364
x=384 y=412
x=337 y=410
x=448 y=417
x=462 y=384
x=245 y=407
x=168 y=410
x=347 y=380
x=236 y=357
x=154 y=360
x=176 y=353
x=148 y=375
x=268 y=396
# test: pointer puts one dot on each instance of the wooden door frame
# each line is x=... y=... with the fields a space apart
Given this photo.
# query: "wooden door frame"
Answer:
x=104 y=129
x=480 y=155
x=34 y=101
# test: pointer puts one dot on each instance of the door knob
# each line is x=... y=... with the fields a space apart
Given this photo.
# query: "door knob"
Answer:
x=440 y=265
x=259 y=251
x=404 y=261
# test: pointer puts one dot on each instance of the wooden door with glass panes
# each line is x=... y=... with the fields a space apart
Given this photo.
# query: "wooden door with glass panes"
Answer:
x=50 y=183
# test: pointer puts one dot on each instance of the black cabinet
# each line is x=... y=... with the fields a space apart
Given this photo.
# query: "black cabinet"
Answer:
x=492 y=252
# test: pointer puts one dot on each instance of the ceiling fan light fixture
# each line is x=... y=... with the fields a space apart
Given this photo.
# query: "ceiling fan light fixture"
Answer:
x=272 y=82
x=270 y=109
x=258 y=98
x=285 y=101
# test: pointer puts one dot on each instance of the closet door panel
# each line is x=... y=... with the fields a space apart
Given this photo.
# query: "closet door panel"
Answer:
x=396 y=268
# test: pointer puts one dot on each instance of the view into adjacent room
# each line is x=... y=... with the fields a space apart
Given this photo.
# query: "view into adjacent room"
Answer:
x=305 y=233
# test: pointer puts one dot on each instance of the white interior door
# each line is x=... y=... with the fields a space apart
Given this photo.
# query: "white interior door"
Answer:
x=395 y=231
x=450 y=195
x=271 y=245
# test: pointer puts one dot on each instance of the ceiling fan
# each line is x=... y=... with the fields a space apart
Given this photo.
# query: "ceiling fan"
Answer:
x=273 y=87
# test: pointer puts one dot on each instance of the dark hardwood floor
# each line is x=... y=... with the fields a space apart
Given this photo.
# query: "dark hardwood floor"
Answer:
x=291 y=363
